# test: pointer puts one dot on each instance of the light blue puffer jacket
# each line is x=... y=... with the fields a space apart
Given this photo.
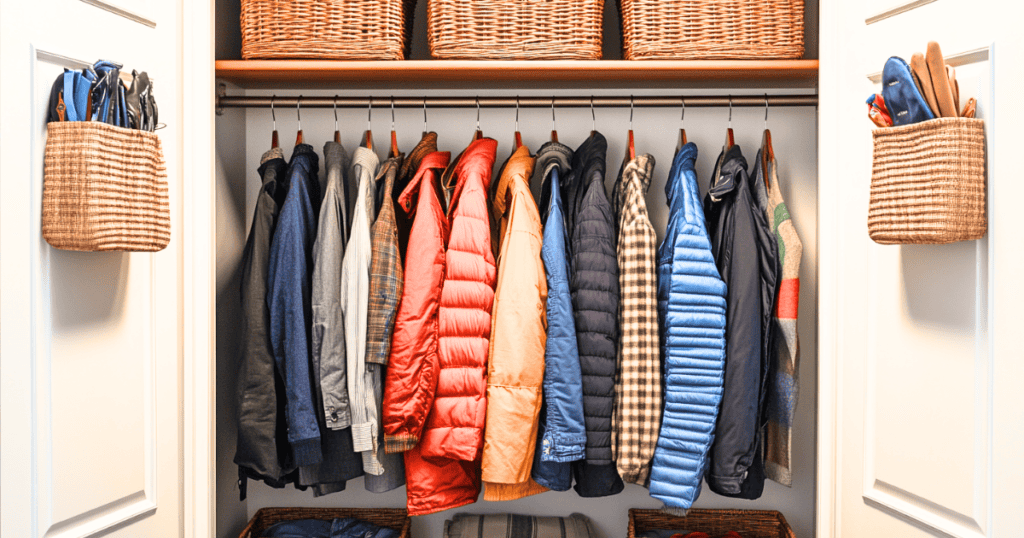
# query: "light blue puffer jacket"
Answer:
x=691 y=308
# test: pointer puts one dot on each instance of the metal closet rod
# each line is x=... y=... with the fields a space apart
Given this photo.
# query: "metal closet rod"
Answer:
x=286 y=101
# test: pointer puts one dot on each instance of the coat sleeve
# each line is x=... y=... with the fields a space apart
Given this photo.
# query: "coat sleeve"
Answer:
x=413 y=368
x=516 y=365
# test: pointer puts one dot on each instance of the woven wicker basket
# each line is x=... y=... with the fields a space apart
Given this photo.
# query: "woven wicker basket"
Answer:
x=327 y=29
x=712 y=29
x=928 y=182
x=748 y=523
x=104 y=188
x=392 y=518
x=515 y=30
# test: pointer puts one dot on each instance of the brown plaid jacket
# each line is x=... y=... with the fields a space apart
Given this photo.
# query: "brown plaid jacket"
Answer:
x=385 y=271
x=637 y=414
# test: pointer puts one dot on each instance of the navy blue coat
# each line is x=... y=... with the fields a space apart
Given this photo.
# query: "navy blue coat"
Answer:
x=594 y=281
x=691 y=308
x=740 y=239
x=288 y=300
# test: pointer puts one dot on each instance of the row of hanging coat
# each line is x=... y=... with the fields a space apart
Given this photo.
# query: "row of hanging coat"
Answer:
x=418 y=323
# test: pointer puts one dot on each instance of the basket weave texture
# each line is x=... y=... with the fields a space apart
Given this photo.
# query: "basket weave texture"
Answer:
x=104 y=188
x=518 y=30
x=392 y=518
x=712 y=29
x=748 y=523
x=928 y=182
x=327 y=29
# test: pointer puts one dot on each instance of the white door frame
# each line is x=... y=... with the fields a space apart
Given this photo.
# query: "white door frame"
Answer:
x=196 y=63
x=829 y=277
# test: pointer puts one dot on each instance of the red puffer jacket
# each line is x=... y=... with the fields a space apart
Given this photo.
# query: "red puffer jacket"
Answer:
x=455 y=428
x=413 y=367
x=443 y=471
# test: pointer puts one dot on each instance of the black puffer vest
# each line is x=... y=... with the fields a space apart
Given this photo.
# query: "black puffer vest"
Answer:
x=594 y=283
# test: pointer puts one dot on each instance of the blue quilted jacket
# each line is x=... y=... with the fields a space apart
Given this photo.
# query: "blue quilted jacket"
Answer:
x=691 y=308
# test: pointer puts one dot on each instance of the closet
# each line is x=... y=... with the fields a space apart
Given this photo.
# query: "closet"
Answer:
x=117 y=370
x=243 y=134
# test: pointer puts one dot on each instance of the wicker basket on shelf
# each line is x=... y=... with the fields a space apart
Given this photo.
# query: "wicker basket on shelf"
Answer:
x=748 y=523
x=392 y=518
x=712 y=29
x=327 y=29
x=517 y=30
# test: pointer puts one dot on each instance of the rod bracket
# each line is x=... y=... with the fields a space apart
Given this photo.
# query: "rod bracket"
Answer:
x=222 y=90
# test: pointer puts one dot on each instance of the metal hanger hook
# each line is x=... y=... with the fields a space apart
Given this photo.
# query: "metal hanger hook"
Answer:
x=517 y=113
x=335 y=112
x=766 y=111
x=553 y=114
x=369 y=112
x=730 y=112
x=272 y=115
x=630 y=112
x=392 y=112
x=593 y=115
x=478 y=113
x=298 y=110
x=682 y=115
x=424 y=114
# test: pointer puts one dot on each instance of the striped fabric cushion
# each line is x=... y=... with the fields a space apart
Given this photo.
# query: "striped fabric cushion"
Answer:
x=518 y=526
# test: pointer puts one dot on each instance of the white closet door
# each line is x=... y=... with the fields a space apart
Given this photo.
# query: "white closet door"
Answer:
x=92 y=343
x=921 y=400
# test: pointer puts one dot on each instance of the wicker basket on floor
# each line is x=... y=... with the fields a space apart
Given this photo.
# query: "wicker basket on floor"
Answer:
x=712 y=29
x=518 y=30
x=928 y=182
x=748 y=523
x=392 y=518
x=327 y=29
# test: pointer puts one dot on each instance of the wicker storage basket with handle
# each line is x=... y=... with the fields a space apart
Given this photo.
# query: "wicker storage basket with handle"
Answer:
x=327 y=29
x=104 y=188
x=928 y=182
x=515 y=30
x=747 y=523
x=712 y=29
x=392 y=518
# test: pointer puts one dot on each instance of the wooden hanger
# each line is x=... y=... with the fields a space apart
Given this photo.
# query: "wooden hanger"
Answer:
x=730 y=141
x=630 y=147
x=682 y=131
x=479 y=133
x=767 y=153
x=554 y=132
x=518 y=142
x=273 y=136
x=368 y=138
x=298 y=114
x=337 y=133
x=394 y=136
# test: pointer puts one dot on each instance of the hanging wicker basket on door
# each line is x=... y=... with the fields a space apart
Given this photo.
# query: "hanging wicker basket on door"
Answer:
x=712 y=29
x=327 y=29
x=515 y=30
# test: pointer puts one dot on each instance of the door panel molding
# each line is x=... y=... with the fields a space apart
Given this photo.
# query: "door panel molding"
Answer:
x=120 y=11
x=920 y=511
x=967 y=57
x=896 y=10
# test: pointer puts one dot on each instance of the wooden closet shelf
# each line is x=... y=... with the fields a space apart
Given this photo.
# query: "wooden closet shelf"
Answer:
x=765 y=73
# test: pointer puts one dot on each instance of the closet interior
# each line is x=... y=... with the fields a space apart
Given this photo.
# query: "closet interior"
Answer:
x=452 y=101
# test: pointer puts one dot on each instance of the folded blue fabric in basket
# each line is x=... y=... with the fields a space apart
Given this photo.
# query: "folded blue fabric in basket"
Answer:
x=322 y=528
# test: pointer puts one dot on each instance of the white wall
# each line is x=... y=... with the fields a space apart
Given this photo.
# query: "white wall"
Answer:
x=794 y=133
